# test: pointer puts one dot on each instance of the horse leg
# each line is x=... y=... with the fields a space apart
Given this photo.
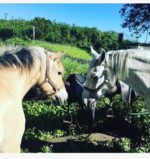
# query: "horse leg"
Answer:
x=12 y=128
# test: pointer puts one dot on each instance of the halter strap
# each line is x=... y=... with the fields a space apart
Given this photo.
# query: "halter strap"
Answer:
x=106 y=81
x=47 y=77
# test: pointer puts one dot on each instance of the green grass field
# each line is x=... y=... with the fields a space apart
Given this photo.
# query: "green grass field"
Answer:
x=67 y=49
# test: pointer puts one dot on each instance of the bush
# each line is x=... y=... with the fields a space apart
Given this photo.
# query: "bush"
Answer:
x=47 y=116
x=54 y=32
x=6 y=33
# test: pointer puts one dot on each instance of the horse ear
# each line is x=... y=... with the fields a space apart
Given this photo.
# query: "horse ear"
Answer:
x=55 y=56
x=94 y=53
x=102 y=56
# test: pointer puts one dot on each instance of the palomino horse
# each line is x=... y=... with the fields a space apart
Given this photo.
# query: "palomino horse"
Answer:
x=20 y=69
x=127 y=67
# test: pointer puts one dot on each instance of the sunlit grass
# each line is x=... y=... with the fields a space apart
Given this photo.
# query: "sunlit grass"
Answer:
x=67 y=49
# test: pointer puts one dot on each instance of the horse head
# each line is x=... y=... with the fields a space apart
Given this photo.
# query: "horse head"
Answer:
x=98 y=81
x=53 y=84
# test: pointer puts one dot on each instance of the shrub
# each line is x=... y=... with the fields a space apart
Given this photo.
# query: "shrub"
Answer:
x=47 y=116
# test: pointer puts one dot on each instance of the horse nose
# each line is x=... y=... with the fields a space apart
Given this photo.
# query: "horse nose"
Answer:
x=62 y=95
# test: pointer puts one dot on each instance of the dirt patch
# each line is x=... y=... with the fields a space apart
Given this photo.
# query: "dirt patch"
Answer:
x=97 y=137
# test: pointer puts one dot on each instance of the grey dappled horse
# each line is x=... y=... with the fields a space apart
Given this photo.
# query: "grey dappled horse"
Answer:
x=74 y=86
x=20 y=69
x=131 y=66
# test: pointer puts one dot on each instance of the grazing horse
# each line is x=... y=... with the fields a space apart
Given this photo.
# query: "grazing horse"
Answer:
x=75 y=84
x=131 y=66
x=20 y=69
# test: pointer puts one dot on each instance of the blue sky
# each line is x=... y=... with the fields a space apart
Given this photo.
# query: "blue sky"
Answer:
x=105 y=17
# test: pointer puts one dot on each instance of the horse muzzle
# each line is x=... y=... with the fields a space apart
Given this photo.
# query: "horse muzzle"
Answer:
x=62 y=95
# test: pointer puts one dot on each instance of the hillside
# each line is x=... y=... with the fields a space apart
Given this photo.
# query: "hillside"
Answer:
x=67 y=49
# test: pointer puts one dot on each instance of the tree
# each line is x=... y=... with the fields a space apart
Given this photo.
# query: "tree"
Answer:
x=109 y=40
x=42 y=27
x=136 y=17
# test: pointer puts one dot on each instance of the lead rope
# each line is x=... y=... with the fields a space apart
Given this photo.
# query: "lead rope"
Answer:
x=130 y=113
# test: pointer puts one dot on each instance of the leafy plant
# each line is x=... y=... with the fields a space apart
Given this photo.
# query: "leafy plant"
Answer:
x=47 y=148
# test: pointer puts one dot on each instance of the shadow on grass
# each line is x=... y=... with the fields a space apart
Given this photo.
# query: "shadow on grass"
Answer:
x=69 y=146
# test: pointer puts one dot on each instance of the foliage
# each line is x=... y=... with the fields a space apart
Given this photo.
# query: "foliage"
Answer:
x=38 y=113
x=35 y=133
x=136 y=17
x=47 y=148
x=6 y=33
x=142 y=124
x=109 y=40
x=122 y=144
x=54 y=32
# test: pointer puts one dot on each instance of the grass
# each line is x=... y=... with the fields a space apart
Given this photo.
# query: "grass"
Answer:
x=74 y=67
x=67 y=49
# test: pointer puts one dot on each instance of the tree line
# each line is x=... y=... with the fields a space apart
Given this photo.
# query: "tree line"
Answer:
x=55 y=32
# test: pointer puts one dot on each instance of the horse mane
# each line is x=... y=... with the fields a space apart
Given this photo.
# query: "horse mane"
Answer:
x=19 y=56
x=118 y=61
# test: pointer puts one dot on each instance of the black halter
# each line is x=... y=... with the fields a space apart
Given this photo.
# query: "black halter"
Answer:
x=106 y=82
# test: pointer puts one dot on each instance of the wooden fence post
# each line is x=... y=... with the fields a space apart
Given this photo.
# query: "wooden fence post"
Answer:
x=33 y=32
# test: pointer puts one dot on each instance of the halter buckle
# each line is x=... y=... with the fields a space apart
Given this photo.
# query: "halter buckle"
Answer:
x=110 y=113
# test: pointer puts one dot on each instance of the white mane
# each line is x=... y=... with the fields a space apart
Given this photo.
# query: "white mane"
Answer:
x=133 y=67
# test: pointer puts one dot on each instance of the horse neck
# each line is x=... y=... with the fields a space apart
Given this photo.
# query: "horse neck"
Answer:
x=37 y=74
x=17 y=82
x=117 y=61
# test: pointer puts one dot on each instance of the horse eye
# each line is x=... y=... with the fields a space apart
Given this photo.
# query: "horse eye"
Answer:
x=94 y=77
x=59 y=73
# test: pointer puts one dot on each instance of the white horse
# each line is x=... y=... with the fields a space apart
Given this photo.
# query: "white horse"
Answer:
x=131 y=66
x=20 y=69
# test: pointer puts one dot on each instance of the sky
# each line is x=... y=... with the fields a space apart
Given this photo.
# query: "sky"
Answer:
x=105 y=17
